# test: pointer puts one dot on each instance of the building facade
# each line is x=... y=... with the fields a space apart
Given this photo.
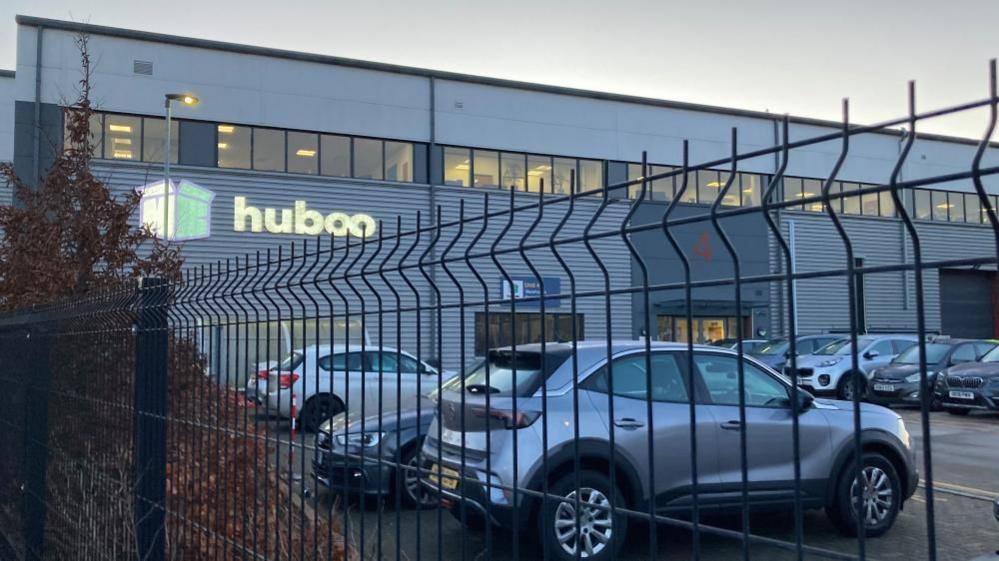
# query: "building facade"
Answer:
x=278 y=134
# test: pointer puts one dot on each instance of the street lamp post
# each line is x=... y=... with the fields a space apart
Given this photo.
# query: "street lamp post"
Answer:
x=186 y=99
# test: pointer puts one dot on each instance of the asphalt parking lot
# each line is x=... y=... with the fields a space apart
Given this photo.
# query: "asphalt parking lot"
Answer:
x=965 y=454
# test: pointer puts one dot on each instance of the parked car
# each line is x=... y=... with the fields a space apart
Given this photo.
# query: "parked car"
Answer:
x=376 y=455
x=775 y=352
x=471 y=461
x=326 y=382
x=898 y=382
x=825 y=372
x=748 y=345
x=974 y=385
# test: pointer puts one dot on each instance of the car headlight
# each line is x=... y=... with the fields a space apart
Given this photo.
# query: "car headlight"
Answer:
x=912 y=378
x=830 y=362
x=362 y=439
x=994 y=381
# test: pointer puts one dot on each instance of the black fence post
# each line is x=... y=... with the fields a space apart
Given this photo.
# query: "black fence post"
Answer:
x=150 y=419
x=36 y=374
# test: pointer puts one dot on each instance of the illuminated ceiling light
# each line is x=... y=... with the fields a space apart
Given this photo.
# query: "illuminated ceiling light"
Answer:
x=122 y=154
x=119 y=140
x=748 y=190
x=945 y=205
x=223 y=145
x=305 y=153
x=119 y=128
x=714 y=184
x=543 y=167
x=463 y=167
x=227 y=129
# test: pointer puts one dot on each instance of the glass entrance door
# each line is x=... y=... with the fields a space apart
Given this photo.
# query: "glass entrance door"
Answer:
x=703 y=329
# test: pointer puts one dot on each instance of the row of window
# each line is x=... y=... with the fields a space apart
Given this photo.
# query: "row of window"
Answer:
x=129 y=137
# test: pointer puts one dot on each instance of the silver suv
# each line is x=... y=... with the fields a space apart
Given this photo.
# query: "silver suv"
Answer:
x=490 y=462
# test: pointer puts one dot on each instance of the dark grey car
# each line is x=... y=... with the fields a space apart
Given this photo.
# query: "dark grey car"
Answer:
x=376 y=456
x=898 y=382
x=775 y=353
x=479 y=455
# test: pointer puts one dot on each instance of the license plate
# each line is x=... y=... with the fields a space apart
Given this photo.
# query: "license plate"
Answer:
x=884 y=388
x=962 y=395
x=447 y=478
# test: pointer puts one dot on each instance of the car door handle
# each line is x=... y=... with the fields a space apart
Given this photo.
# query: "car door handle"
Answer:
x=629 y=423
x=731 y=425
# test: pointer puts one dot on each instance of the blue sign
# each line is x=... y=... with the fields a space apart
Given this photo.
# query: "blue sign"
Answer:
x=529 y=287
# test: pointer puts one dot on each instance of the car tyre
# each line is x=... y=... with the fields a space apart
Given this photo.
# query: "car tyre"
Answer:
x=318 y=409
x=414 y=494
x=881 y=501
x=959 y=412
x=844 y=389
x=603 y=532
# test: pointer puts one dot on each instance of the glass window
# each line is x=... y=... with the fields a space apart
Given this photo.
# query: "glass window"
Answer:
x=96 y=132
x=486 y=169
x=539 y=170
x=234 y=146
x=154 y=137
x=869 y=203
x=973 y=208
x=591 y=175
x=268 y=149
x=368 y=158
x=121 y=137
x=851 y=204
x=792 y=191
x=921 y=200
x=562 y=175
x=335 y=155
x=409 y=364
x=751 y=186
x=558 y=327
x=303 y=152
x=882 y=348
x=457 y=166
x=887 y=204
x=661 y=189
x=354 y=362
x=629 y=379
x=720 y=374
x=634 y=174
x=398 y=161
x=811 y=188
x=901 y=345
x=731 y=197
x=708 y=186
x=512 y=174
x=955 y=202
x=964 y=353
x=940 y=205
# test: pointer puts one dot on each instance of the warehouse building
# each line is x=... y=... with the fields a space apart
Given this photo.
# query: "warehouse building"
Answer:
x=354 y=144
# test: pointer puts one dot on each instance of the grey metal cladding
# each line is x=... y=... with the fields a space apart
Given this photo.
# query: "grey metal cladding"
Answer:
x=384 y=201
x=890 y=302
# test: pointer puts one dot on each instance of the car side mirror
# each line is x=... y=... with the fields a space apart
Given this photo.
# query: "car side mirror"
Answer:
x=805 y=400
x=871 y=354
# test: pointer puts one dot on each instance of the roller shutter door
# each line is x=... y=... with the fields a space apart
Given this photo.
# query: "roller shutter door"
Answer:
x=966 y=306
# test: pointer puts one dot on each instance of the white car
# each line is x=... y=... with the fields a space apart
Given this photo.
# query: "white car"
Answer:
x=824 y=371
x=327 y=381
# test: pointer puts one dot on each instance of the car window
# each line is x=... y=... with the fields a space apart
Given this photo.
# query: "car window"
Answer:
x=720 y=374
x=883 y=348
x=935 y=352
x=819 y=343
x=902 y=345
x=982 y=348
x=629 y=378
x=409 y=364
x=963 y=353
x=341 y=362
x=389 y=361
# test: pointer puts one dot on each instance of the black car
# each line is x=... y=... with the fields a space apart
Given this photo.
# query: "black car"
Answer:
x=898 y=382
x=971 y=386
x=370 y=457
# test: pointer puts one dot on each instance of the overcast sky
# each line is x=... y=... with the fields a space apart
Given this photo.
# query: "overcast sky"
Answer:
x=783 y=56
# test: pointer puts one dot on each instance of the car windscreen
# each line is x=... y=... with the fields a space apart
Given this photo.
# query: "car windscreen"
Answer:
x=991 y=356
x=504 y=373
x=773 y=347
x=290 y=362
x=934 y=354
x=841 y=347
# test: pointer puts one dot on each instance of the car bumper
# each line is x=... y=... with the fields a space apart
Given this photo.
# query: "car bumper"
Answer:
x=473 y=496
x=353 y=475
x=905 y=393
x=986 y=400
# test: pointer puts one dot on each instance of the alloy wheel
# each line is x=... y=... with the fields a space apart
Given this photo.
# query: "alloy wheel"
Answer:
x=589 y=532
x=876 y=498
x=416 y=492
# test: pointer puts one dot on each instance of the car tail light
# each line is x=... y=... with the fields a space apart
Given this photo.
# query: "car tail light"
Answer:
x=286 y=379
x=510 y=419
x=263 y=374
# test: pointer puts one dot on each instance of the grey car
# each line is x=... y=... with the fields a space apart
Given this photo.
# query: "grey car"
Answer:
x=489 y=462
x=775 y=352
x=376 y=456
